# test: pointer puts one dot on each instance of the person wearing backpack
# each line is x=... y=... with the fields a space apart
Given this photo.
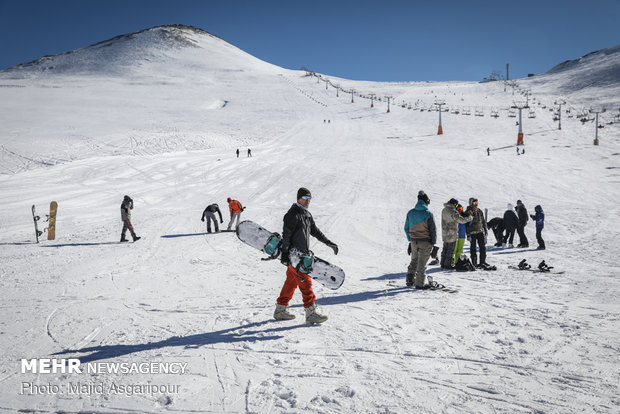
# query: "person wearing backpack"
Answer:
x=422 y=234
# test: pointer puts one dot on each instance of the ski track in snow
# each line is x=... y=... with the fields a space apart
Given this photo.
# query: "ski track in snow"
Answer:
x=509 y=341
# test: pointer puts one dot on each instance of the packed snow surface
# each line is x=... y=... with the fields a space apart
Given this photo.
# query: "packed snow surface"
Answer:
x=158 y=115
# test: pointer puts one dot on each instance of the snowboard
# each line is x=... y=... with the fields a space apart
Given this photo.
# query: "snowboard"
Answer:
x=36 y=218
x=51 y=229
x=254 y=235
x=431 y=287
x=534 y=270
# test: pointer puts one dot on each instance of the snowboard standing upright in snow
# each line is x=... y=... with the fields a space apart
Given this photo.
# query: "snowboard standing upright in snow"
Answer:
x=36 y=218
x=51 y=229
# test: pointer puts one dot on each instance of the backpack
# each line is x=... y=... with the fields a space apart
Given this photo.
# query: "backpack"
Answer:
x=464 y=264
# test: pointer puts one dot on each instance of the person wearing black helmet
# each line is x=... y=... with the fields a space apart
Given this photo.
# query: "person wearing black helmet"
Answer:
x=421 y=233
x=209 y=214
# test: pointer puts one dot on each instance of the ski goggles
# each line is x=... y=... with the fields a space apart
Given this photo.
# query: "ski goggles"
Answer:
x=306 y=198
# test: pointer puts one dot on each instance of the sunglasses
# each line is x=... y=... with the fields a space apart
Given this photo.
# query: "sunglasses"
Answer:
x=475 y=203
x=306 y=198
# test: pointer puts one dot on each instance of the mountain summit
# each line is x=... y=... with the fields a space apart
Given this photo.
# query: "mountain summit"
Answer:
x=128 y=52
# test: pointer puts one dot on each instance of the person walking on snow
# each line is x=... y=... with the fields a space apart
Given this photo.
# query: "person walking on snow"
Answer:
x=235 y=208
x=511 y=222
x=539 y=218
x=422 y=234
x=450 y=218
x=126 y=207
x=297 y=229
x=209 y=214
x=523 y=218
x=476 y=233
x=249 y=153
x=237 y=152
x=460 y=243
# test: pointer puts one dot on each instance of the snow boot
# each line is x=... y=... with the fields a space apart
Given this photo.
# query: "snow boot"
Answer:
x=282 y=314
x=312 y=316
x=136 y=238
x=123 y=240
x=409 y=280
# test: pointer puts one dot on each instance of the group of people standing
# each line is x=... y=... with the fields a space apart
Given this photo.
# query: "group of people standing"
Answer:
x=457 y=225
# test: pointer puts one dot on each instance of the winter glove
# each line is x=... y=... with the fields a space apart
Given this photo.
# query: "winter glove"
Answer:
x=221 y=221
x=334 y=246
x=202 y=219
x=409 y=249
x=285 y=259
x=243 y=209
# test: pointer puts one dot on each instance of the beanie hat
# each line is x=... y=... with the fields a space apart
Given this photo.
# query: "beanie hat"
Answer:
x=228 y=200
x=303 y=191
x=422 y=196
x=453 y=201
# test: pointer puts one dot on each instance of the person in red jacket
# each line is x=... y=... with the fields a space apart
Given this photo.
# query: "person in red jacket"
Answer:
x=235 y=208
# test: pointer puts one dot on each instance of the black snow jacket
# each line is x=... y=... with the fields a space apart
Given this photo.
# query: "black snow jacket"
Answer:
x=522 y=213
x=213 y=208
x=496 y=223
x=298 y=227
x=511 y=221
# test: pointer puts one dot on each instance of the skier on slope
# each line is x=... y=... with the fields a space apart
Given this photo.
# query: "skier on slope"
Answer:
x=476 y=233
x=209 y=214
x=450 y=218
x=422 y=234
x=298 y=227
x=539 y=217
x=511 y=222
x=235 y=209
x=523 y=218
x=126 y=207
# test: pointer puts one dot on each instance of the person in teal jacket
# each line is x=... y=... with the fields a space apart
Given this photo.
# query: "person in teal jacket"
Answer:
x=422 y=235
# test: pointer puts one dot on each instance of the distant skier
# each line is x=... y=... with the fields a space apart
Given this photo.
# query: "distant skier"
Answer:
x=497 y=225
x=476 y=233
x=488 y=151
x=249 y=153
x=126 y=207
x=450 y=218
x=298 y=226
x=421 y=233
x=235 y=209
x=523 y=218
x=511 y=222
x=209 y=214
x=539 y=217
x=237 y=152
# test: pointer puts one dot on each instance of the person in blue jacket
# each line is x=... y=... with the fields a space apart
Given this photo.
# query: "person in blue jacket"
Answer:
x=422 y=235
x=539 y=218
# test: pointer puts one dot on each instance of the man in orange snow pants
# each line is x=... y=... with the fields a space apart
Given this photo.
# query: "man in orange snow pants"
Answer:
x=298 y=227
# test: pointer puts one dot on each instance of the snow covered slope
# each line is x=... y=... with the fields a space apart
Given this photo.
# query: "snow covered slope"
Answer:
x=161 y=123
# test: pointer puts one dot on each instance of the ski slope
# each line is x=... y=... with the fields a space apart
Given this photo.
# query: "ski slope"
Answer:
x=159 y=114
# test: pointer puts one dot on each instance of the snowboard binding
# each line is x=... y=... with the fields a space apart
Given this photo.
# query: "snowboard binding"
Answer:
x=523 y=265
x=543 y=267
x=306 y=260
x=273 y=246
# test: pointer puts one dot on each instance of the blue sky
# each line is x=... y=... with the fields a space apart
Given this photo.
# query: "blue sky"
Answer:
x=378 y=40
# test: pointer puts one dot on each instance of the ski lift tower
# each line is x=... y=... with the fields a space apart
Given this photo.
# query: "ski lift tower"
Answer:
x=326 y=82
x=439 y=103
x=352 y=92
x=520 y=105
x=337 y=86
x=372 y=99
x=560 y=102
x=388 y=101
x=596 y=111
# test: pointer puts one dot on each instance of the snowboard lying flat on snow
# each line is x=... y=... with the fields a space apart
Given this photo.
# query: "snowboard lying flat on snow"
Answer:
x=534 y=270
x=262 y=239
